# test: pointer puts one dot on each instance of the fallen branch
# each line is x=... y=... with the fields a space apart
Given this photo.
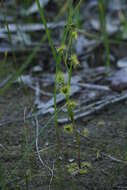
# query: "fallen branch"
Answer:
x=31 y=27
x=94 y=86
x=112 y=158
x=5 y=81
x=97 y=106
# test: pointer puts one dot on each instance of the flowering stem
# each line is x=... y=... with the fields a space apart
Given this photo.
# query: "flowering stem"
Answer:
x=77 y=139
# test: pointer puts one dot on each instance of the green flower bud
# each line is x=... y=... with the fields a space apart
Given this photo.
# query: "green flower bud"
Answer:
x=68 y=128
x=74 y=60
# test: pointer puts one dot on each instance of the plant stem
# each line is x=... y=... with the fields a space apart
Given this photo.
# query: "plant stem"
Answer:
x=70 y=112
x=78 y=141
x=104 y=30
x=57 y=68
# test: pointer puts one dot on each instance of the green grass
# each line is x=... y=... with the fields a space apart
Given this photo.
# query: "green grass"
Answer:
x=68 y=31
x=14 y=77
x=104 y=30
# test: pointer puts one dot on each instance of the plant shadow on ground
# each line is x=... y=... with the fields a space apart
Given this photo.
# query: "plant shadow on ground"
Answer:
x=107 y=134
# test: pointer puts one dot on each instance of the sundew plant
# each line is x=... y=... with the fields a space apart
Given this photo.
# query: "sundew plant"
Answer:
x=64 y=52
